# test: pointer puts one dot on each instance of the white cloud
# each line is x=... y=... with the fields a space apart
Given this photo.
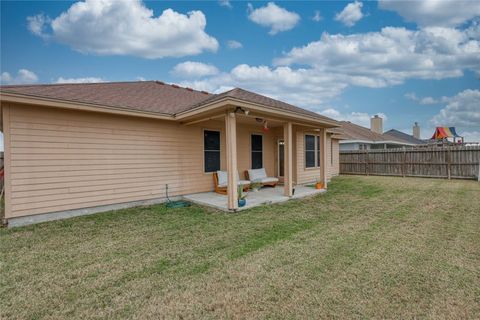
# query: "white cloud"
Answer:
x=126 y=27
x=351 y=14
x=6 y=78
x=233 y=44
x=470 y=136
x=359 y=118
x=301 y=87
x=317 y=16
x=389 y=57
x=411 y=96
x=434 y=12
x=23 y=76
x=312 y=75
x=274 y=17
x=225 y=3
x=37 y=24
x=462 y=111
x=192 y=69
x=428 y=100
x=79 y=80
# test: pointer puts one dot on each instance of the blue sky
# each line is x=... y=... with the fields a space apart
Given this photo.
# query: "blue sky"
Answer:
x=407 y=60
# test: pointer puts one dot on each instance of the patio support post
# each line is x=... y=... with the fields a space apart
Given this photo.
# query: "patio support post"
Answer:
x=231 y=142
x=323 y=156
x=288 y=158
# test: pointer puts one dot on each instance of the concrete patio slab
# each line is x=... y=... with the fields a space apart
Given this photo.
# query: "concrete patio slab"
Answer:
x=265 y=195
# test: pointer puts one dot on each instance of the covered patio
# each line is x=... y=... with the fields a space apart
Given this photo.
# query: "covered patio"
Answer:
x=292 y=147
x=264 y=196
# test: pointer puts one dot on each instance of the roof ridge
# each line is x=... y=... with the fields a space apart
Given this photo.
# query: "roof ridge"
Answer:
x=229 y=91
x=174 y=85
x=71 y=84
x=177 y=86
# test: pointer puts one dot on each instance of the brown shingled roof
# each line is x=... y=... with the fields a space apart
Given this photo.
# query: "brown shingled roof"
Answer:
x=249 y=96
x=395 y=134
x=352 y=131
x=149 y=96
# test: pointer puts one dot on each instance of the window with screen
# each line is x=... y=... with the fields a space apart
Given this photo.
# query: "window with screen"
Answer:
x=257 y=151
x=211 y=146
x=310 y=151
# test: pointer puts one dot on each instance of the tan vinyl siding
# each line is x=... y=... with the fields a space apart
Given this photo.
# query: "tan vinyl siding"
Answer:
x=310 y=175
x=64 y=159
x=244 y=159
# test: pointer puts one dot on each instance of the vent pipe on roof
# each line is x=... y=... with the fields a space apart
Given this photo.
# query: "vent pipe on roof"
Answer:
x=416 y=130
x=376 y=124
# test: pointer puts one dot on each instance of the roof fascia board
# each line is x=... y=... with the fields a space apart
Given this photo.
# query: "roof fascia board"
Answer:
x=73 y=105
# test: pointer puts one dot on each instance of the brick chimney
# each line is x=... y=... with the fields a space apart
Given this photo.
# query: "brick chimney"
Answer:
x=376 y=124
x=416 y=130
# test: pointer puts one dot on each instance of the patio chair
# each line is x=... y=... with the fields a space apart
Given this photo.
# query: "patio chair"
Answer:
x=260 y=176
x=220 y=181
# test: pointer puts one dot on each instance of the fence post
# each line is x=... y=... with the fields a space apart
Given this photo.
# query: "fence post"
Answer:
x=404 y=161
x=449 y=163
x=367 y=169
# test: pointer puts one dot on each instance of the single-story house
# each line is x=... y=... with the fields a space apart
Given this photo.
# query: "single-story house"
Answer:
x=405 y=137
x=356 y=137
x=72 y=149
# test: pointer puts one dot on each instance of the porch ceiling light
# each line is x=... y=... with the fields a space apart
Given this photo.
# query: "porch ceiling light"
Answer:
x=265 y=126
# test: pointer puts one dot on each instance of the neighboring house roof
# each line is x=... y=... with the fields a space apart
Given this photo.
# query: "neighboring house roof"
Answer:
x=355 y=132
x=403 y=136
x=149 y=96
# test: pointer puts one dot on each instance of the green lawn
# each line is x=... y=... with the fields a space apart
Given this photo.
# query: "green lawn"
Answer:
x=371 y=247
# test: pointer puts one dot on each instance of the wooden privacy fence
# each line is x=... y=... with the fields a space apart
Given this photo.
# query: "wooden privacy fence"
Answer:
x=458 y=162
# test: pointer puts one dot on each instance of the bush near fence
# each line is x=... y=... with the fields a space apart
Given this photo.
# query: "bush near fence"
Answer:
x=452 y=162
